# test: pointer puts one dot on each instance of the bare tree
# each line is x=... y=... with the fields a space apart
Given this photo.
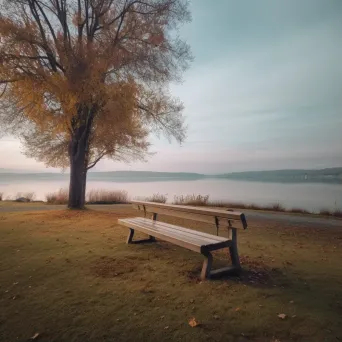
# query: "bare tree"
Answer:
x=85 y=79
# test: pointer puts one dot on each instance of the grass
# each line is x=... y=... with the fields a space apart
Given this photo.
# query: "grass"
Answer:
x=327 y=212
x=336 y=213
x=99 y=196
x=157 y=198
x=270 y=207
x=29 y=196
x=299 y=211
x=69 y=276
x=107 y=197
x=59 y=197
x=193 y=199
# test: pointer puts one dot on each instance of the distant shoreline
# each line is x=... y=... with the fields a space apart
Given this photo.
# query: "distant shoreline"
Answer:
x=329 y=175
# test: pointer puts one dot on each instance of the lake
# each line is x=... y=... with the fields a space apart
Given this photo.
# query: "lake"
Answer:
x=309 y=196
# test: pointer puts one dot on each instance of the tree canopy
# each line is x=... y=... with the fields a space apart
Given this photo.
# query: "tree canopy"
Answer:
x=102 y=64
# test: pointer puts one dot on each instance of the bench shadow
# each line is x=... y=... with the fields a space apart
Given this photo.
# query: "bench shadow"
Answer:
x=253 y=273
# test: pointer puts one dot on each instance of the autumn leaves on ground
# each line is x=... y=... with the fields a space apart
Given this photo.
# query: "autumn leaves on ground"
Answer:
x=69 y=276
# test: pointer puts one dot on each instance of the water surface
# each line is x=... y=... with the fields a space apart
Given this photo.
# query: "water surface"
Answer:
x=309 y=196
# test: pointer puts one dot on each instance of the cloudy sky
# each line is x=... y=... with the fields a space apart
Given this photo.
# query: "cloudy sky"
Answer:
x=264 y=91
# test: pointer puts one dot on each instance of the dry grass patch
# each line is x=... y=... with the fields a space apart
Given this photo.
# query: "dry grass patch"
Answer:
x=29 y=196
x=107 y=197
x=157 y=198
x=108 y=267
x=193 y=199
x=59 y=197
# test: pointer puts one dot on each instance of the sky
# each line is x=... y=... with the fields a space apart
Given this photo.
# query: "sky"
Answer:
x=264 y=91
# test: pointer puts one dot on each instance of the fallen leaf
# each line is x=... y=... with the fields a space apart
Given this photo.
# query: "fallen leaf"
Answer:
x=167 y=327
x=237 y=309
x=282 y=316
x=35 y=336
x=193 y=323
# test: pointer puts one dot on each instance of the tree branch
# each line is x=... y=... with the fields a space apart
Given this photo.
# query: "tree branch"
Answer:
x=102 y=154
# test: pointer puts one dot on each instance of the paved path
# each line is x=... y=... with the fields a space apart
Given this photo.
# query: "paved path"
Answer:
x=298 y=220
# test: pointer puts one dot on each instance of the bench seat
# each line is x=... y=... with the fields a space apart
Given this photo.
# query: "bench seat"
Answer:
x=184 y=237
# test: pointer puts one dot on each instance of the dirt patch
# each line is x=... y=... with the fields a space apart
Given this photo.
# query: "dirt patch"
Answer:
x=254 y=273
x=257 y=273
x=107 y=267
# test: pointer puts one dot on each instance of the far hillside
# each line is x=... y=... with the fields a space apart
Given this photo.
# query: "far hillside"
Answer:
x=333 y=175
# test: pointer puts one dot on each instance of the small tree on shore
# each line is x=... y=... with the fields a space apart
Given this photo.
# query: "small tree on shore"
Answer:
x=81 y=80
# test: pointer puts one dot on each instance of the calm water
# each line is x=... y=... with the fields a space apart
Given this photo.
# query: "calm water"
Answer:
x=310 y=196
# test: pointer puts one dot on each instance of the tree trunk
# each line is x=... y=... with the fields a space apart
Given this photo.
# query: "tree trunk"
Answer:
x=78 y=155
x=78 y=168
x=77 y=185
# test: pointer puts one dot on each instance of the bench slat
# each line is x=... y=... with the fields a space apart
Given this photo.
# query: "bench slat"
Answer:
x=187 y=231
x=206 y=215
x=175 y=241
x=170 y=230
x=174 y=234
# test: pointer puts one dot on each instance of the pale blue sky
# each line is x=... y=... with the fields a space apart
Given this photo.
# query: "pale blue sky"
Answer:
x=264 y=91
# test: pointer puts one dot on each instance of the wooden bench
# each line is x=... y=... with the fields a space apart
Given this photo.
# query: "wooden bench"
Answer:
x=194 y=240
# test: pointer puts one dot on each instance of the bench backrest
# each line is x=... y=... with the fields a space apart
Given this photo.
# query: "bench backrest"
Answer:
x=217 y=217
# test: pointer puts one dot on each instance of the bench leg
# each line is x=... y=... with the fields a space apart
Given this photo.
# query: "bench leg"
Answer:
x=233 y=249
x=152 y=238
x=235 y=268
x=208 y=273
x=234 y=256
x=131 y=234
x=207 y=263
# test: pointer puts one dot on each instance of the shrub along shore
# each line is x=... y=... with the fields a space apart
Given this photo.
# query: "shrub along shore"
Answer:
x=101 y=196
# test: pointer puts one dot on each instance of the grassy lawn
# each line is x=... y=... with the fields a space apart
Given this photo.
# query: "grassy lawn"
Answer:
x=69 y=276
